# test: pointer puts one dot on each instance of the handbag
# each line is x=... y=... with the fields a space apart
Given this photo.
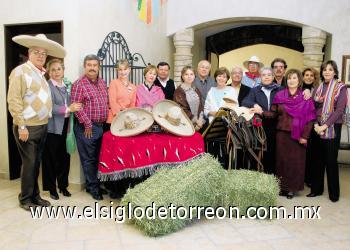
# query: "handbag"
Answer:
x=71 y=143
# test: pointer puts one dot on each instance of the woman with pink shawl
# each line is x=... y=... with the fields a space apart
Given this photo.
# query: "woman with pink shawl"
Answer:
x=147 y=94
x=294 y=125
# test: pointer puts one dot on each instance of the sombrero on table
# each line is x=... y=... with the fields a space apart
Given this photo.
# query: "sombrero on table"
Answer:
x=171 y=117
x=131 y=122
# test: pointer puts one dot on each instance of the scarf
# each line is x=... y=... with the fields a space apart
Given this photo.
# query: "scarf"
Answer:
x=307 y=86
x=270 y=86
x=330 y=97
x=251 y=75
x=302 y=111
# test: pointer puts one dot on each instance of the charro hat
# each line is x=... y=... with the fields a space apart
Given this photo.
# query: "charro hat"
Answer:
x=41 y=41
x=244 y=111
x=229 y=103
x=253 y=59
x=170 y=116
x=131 y=122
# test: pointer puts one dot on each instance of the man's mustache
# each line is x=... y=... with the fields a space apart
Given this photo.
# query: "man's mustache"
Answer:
x=93 y=71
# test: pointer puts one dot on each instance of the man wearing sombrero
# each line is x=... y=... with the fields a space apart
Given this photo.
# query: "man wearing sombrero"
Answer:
x=252 y=78
x=30 y=104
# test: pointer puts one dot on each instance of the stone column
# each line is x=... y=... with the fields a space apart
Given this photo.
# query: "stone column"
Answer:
x=183 y=42
x=313 y=40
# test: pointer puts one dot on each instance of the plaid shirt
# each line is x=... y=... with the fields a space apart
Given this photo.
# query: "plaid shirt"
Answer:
x=93 y=96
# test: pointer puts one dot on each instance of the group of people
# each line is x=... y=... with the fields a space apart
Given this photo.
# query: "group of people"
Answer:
x=302 y=118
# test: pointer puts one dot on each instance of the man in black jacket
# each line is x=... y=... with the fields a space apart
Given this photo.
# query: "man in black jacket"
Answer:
x=163 y=80
x=236 y=76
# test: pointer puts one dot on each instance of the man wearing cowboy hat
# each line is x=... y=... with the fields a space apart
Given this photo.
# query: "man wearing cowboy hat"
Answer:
x=30 y=104
x=252 y=78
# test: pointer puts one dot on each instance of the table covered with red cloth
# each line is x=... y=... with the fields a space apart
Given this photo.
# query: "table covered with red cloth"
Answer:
x=135 y=156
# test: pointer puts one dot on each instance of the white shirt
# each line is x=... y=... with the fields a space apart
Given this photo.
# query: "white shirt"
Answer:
x=163 y=82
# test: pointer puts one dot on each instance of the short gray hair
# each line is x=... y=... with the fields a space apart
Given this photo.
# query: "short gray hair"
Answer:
x=267 y=68
x=90 y=58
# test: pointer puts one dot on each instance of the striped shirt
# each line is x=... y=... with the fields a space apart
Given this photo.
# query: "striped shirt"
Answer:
x=94 y=98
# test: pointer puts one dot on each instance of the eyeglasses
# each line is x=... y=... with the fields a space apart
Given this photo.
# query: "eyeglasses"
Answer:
x=38 y=53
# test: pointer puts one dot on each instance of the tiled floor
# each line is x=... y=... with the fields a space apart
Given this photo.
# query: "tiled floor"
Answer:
x=19 y=231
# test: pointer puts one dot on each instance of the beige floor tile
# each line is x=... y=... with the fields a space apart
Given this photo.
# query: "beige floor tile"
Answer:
x=91 y=232
x=151 y=246
x=74 y=245
x=247 y=246
x=51 y=232
x=9 y=239
x=19 y=231
x=102 y=244
x=223 y=234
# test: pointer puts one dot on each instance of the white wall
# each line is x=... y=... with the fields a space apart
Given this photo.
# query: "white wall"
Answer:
x=332 y=17
x=86 y=23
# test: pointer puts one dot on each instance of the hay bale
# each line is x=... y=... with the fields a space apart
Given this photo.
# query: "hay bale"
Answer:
x=198 y=183
x=244 y=188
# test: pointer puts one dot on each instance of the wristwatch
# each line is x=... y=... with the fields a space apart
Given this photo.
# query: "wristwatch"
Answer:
x=22 y=127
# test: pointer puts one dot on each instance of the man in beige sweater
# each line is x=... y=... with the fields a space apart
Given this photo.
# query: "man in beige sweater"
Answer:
x=30 y=104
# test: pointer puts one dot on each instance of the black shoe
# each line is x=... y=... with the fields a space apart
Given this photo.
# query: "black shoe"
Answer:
x=290 y=195
x=103 y=191
x=65 y=192
x=54 y=195
x=333 y=199
x=115 y=195
x=27 y=206
x=313 y=195
x=283 y=193
x=41 y=202
x=97 y=196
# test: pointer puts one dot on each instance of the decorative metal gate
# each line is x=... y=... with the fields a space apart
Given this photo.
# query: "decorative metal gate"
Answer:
x=113 y=49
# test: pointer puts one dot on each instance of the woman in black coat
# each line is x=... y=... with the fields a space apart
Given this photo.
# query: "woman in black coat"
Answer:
x=259 y=101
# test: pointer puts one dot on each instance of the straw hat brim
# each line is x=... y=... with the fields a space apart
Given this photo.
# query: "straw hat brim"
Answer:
x=160 y=110
x=53 y=48
x=245 y=63
x=229 y=100
x=245 y=112
x=228 y=105
x=118 y=127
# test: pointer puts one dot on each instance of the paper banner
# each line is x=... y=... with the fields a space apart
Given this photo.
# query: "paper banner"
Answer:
x=149 y=9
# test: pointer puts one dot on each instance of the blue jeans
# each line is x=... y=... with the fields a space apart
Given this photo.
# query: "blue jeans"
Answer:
x=89 y=151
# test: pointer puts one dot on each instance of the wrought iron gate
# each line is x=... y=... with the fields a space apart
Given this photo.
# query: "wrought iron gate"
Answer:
x=113 y=49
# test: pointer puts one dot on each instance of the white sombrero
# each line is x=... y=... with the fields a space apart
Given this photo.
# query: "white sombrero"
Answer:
x=245 y=112
x=229 y=103
x=253 y=59
x=41 y=41
x=131 y=122
x=171 y=117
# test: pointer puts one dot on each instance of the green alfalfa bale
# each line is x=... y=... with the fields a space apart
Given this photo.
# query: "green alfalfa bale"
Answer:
x=244 y=189
x=198 y=183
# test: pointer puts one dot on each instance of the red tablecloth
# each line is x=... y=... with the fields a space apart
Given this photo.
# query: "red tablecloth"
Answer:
x=135 y=156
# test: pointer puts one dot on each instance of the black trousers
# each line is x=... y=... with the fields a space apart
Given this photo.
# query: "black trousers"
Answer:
x=56 y=161
x=325 y=155
x=30 y=152
x=269 y=158
x=309 y=158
